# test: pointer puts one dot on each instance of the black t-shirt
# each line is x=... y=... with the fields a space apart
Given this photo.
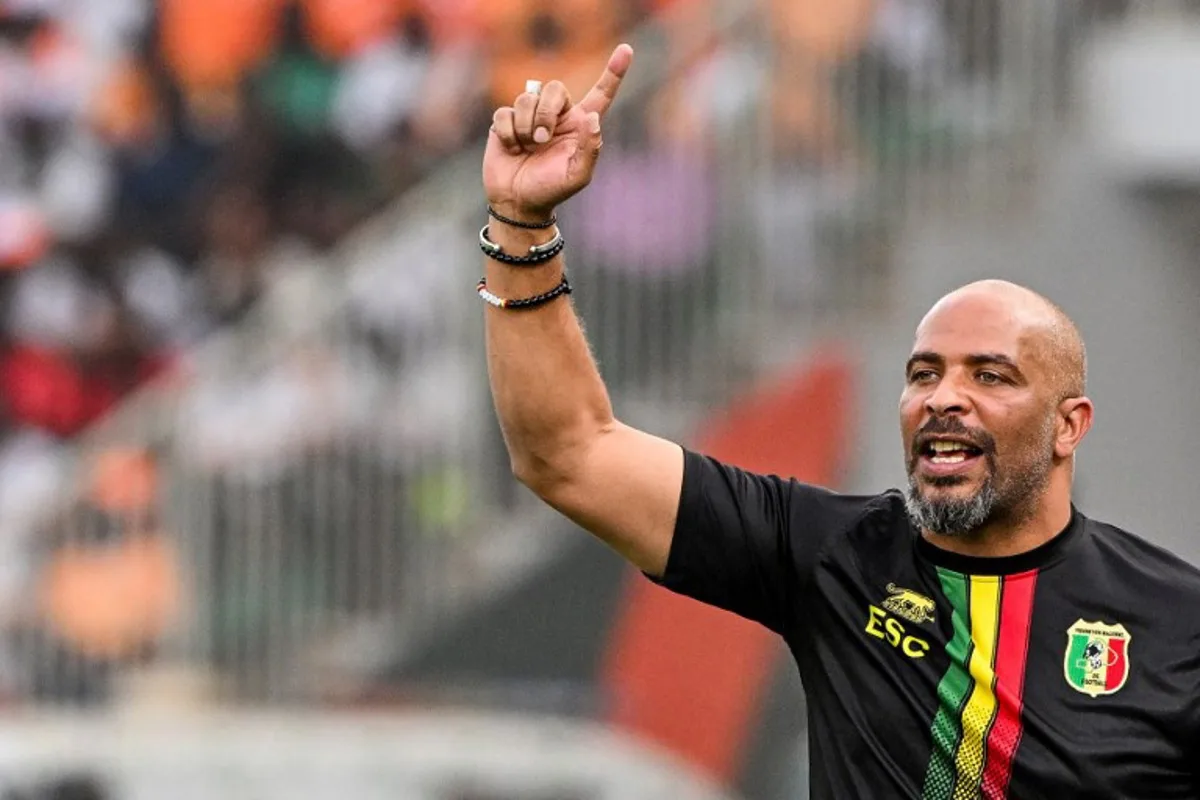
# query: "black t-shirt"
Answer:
x=1068 y=671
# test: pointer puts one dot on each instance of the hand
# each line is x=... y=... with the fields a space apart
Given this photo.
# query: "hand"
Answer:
x=543 y=149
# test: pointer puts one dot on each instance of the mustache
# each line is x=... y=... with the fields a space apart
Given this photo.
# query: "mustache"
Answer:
x=953 y=426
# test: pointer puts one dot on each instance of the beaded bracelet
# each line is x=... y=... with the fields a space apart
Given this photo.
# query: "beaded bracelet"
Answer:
x=525 y=303
x=538 y=253
x=516 y=223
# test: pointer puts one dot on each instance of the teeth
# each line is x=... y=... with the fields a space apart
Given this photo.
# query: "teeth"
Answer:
x=953 y=458
x=948 y=447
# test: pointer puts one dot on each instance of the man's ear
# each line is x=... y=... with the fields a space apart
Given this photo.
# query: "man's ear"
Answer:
x=1074 y=421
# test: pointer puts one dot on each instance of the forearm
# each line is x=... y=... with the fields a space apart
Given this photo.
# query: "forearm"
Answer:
x=548 y=393
x=621 y=484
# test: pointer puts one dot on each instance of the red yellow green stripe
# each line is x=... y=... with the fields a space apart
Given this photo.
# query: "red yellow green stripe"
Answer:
x=1011 y=650
x=981 y=705
x=952 y=691
x=977 y=727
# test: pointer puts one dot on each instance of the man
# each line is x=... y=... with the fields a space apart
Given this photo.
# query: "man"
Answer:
x=975 y=636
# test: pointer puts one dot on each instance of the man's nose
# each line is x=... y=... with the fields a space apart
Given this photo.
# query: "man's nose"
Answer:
x=948 y=397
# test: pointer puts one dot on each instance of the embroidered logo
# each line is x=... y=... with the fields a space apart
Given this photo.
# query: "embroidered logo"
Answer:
x=908 y=604
x=1097 y=658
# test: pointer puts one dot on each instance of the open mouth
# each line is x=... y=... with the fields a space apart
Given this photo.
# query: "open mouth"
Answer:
x=948 y=452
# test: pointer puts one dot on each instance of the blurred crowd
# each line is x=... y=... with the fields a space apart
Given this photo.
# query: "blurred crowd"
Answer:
x=160 y=162
x=167 y=164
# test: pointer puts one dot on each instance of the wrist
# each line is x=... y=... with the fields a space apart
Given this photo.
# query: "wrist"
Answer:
x=516 y=240
x=523 y=214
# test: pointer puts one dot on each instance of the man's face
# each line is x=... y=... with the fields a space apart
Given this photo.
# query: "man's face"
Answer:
x=977 y=416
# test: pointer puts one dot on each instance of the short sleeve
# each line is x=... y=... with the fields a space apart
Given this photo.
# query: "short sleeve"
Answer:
x=749 y=543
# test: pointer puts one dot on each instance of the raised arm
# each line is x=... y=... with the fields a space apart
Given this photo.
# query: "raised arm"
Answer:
x=621 y=484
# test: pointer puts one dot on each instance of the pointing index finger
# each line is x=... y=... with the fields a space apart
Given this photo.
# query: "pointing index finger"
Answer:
x=602 y=95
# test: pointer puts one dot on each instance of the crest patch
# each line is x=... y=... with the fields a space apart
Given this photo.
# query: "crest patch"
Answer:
x=1097 y=658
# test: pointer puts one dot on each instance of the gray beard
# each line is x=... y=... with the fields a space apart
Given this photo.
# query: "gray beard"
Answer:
x=950 y=517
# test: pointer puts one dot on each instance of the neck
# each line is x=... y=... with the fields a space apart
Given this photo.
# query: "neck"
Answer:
x=1009 y=537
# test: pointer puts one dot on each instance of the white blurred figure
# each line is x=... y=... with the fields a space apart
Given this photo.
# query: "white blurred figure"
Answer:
x=911 y=37
x=76 y=187
x=378 y=89
x=159 y=292
x=54 y=306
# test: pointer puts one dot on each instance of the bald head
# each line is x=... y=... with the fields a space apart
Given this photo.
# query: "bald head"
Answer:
x=992 y=413
x=1043 y=326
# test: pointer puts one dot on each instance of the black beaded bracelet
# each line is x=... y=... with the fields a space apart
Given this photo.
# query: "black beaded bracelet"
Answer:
x=516 y=223
x=538 y=253
x=525 y=303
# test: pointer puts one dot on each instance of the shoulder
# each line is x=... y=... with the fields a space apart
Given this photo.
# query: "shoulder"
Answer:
x=1140 y=561
x=870 y=516
x=875 y=522
x=873 y=512
x=707 y=479
x=875 y=529
x=806 y=512
x=1152 y=592
x=855 y=509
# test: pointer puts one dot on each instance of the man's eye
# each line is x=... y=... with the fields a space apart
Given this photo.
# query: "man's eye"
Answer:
x=990 y=377
x=922 y=375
